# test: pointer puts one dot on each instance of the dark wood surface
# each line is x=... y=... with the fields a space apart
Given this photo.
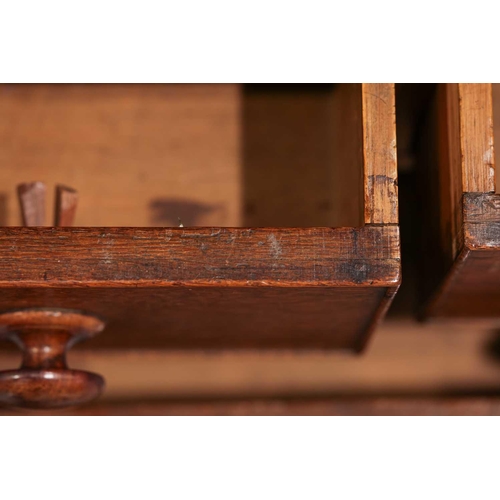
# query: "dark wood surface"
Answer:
x=83 y=257
x=289 y=160
x=346 y=139
x=210 y=287
x=400 y=406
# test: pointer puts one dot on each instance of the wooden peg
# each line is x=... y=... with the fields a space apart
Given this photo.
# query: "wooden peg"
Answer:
x=66 y=203
x=32 y=200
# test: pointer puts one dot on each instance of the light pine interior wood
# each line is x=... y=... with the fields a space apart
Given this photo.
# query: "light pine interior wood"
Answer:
x=380 y=154
x=495 y=91
x=476 y=134
x=139 y=155
x=209 y=155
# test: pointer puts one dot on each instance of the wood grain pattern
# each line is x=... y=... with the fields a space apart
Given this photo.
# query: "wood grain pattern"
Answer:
x=215 y=318
x=461 y=229
x=379 y=150
x=472 y=286
x=139 y=155
x=188 y=288
x=471 y=406
x=128 y=150
x=151 y=287
x=82 y=257
x=334 y=149
x=476 y=137
x=451 y=174
x=289 y=157
x=495 y=94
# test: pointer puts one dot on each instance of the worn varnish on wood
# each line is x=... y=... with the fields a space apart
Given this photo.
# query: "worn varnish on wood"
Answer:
x=461 y=222
x=381 y=406
x=216 y=287
x=210 y=287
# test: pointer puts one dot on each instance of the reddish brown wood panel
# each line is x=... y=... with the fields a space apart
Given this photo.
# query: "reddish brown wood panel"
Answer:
x=460 y=214
x=283 y=407
x=217 y=317
x=346 y=117
x=472 y=287
x=290 y=158
x=82 y=257
x=208 y=288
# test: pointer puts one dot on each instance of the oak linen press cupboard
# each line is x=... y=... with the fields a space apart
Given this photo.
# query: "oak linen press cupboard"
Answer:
x=209 y=217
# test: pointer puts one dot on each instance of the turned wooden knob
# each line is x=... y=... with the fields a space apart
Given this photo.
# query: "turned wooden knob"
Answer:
x=44 y=380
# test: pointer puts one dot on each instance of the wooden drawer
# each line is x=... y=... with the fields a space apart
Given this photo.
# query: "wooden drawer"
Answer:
x=143 y=155
x=289 y=236
x=461 y=211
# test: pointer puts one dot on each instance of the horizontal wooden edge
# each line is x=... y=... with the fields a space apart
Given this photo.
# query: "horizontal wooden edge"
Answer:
x=368 y=406
x=393 y=280
x=159 y=257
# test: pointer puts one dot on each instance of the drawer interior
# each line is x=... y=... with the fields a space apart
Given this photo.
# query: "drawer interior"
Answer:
x=205 y=155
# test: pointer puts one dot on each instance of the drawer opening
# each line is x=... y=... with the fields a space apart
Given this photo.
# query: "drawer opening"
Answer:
x=200 y=155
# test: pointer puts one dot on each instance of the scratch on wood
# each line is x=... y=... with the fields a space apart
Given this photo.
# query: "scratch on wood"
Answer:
x=231 y=240
x=201 y=235
x=378 y=97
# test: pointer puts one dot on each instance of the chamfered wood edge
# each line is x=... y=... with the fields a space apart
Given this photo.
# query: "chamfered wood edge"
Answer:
x=369 y=406
x=467 y=176
x=481 y=232
x=365 y=336
x=431 y=306
x=158 y=257
x=380 y=153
